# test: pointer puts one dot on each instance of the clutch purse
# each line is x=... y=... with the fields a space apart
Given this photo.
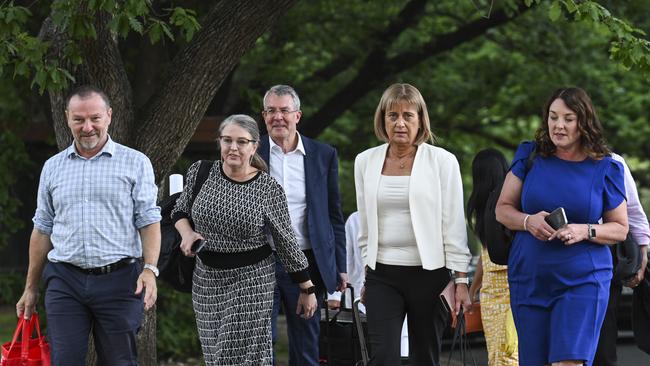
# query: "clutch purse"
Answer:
x=557 y=218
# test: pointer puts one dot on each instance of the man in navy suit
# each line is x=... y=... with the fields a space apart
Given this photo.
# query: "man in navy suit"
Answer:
x=308 y=172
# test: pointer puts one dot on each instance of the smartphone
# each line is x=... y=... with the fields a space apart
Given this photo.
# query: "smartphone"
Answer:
x=197 y=245
x=445 y=304
x=557 y=218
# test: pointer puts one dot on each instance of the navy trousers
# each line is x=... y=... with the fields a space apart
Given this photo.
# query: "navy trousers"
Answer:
x=77 y=304
x=303 y=334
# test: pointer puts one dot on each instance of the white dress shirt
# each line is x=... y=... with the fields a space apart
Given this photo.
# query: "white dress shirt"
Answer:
x=289 y=171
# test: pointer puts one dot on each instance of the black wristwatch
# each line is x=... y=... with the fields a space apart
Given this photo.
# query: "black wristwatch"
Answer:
x=309 y=290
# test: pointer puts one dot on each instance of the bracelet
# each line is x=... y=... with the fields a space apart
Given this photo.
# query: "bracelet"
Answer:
x=525 y=221
x=463 y=280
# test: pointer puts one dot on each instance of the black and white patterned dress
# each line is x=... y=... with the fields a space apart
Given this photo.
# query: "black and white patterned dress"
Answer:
x=233 y=306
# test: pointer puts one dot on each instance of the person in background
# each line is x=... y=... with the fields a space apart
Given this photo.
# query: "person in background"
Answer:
x=96 y=217
x=638 y=221
x=234 y=276
x=559 y=279
x=308 y=172
x=488 y=171
x=412 y=233
x=356 y=275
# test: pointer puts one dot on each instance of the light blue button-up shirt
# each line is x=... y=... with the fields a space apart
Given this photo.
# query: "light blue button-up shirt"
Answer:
x=93 y=208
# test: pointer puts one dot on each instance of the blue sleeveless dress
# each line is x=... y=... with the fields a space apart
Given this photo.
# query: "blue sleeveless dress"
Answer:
x=559 y=293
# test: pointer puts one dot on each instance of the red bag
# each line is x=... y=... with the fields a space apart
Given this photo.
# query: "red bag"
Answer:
x=30 y=351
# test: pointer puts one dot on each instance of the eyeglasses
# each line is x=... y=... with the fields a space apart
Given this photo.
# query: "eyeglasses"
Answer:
x=272 y=111
x=241 y=143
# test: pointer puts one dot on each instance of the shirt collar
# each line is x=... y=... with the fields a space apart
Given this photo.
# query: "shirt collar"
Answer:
x=300 y=147
x=108 y=149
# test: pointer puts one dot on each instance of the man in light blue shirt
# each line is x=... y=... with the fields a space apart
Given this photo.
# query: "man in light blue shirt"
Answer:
x=96 y=216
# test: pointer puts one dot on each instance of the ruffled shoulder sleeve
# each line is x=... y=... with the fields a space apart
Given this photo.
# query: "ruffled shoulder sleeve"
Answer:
x=519 y=162
x=614 y=184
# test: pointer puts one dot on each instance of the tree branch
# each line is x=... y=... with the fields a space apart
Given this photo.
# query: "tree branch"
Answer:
x=410 y=15
x=377 y=68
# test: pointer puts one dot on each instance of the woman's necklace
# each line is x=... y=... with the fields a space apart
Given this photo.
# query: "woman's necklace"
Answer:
x=401 y=162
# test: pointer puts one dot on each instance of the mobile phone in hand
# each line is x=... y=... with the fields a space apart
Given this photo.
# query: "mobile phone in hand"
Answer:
x=197 y=245
x=557 y=218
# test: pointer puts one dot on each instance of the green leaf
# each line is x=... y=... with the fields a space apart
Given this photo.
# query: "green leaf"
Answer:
x=167 y=31
x=155 y=32
x=21 y=69
x=135 y=24
x=571 y=6
x=555 y=11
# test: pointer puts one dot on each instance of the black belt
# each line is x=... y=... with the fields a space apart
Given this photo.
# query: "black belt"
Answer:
x=234 y=260
x=105 y=269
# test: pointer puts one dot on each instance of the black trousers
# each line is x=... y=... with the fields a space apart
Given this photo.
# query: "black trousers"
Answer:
x=391 y=293
x=606 y=351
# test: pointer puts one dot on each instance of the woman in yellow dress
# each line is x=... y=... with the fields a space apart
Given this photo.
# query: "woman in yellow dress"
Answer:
x=488 y=171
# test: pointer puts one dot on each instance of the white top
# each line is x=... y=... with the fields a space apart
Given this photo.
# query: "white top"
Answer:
x=396 y=237
x=289 y=170
x=435 y=202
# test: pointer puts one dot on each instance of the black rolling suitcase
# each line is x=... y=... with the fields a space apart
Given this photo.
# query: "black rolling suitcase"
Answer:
x=343 y=335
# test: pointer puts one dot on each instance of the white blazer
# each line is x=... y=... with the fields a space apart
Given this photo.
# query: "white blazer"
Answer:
x=435 y=202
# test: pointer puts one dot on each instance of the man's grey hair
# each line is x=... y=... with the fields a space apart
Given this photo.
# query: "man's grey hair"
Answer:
x=281 y=90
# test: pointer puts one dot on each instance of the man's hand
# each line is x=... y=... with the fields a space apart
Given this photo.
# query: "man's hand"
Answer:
x=27 y=304
x=147 y=282
x=306 y=306
x=640 y=274
x=343 y=282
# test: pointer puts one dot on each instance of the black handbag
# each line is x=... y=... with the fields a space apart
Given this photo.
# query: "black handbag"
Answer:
x=176 y=269
x=460 y=339
x=342 y=335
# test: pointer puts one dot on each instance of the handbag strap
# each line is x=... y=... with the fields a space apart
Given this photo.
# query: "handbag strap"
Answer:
x=19 y=328
x=201 y=176
x=28 y=328
x=460 y=335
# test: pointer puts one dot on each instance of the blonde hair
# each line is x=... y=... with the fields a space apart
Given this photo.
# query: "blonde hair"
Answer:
x=403 y=93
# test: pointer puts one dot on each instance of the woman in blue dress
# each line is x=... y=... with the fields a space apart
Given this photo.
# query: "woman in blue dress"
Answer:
x=559 y=279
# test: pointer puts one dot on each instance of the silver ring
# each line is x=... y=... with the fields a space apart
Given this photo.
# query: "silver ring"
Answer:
x=569 y=237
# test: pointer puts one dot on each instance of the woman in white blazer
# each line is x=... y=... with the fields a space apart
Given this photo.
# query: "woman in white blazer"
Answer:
x=412 y=232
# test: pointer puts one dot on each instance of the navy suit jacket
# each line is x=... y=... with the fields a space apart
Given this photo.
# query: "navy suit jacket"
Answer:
x=326 y=227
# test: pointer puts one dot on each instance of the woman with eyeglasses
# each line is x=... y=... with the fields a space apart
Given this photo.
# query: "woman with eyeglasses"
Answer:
x=234 y=276
x=412 y=232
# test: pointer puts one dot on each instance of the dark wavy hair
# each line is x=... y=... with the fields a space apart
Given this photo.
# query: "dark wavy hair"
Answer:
x=489 y=169
x=592 y=139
